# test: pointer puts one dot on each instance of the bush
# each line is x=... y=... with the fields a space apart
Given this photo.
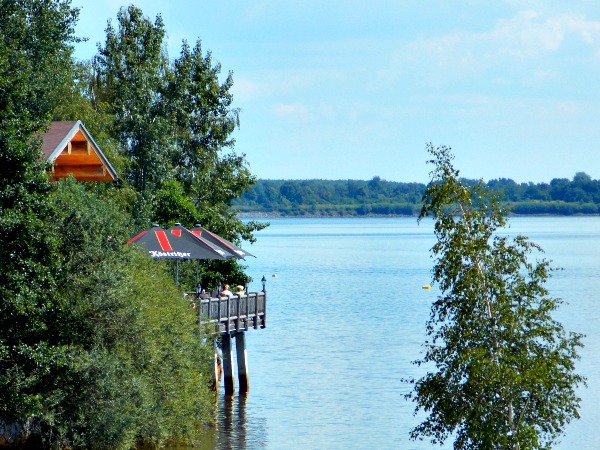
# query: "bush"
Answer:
x=117 y=357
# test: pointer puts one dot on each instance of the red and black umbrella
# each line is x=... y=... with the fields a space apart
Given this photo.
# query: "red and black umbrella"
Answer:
x=176 y=243
x=217 y=240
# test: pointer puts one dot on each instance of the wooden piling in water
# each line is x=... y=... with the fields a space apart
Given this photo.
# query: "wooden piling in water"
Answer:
x=242 y=362
x=218 y=370
x=228 y=381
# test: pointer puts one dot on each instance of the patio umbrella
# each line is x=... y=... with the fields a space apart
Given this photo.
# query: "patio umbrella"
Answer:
x=175 y=243
x=215 y=239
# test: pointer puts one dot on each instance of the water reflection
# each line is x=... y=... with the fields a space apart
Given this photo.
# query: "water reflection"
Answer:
x=235 y=430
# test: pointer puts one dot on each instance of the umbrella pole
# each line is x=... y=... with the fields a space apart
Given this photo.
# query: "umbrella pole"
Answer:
x=177 y=272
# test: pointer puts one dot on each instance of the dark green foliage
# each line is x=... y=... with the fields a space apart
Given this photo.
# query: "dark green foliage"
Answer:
x=118 y=356
x=503 y=370
x=171 y=205
x=34 y=59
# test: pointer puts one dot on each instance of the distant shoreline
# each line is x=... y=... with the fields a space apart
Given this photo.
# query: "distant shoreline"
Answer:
x=381 y=198
x=276 y=215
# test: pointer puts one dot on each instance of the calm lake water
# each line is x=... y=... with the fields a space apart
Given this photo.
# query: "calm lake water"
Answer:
x=346 y=316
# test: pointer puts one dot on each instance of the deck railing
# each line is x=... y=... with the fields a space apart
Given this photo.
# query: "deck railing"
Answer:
x=237 y=313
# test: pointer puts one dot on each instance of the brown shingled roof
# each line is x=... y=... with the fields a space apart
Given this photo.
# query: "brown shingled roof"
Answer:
x=72 y=151
x=54 y=136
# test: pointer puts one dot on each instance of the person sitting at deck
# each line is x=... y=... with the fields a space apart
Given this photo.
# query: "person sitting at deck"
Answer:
x=239 y=290
x=226 y=291
x=201 y=292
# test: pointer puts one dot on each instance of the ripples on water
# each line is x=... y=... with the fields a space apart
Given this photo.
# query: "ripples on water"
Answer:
x=346 y=315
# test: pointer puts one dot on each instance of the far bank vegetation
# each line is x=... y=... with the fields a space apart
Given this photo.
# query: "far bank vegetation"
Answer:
x=378 y=197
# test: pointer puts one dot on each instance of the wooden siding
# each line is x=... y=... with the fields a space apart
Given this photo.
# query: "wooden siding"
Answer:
x=72 y=151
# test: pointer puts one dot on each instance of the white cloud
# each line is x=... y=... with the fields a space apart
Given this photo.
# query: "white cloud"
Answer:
x=530 y=34
x=526 y=36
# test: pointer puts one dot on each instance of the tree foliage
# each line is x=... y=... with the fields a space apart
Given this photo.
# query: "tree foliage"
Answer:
x=130 y=80
x=34 y=60
x=331 y=197
x=134 y=369
x=174 y=122
x=504 y=368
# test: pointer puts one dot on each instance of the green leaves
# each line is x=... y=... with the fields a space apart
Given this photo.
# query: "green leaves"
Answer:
x=504 y=369
x=130 y=83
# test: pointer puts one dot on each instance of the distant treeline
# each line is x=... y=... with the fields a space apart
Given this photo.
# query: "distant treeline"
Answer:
x=561 y=196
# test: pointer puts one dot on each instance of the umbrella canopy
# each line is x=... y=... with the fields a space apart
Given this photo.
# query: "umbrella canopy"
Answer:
x=175 y=243
x=217 y=240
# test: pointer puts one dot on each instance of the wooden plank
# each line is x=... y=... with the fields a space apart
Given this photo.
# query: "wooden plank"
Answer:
x=77 y=159
x=228 y=323
x=85 y=173
x=218 y=372
x=247 y=311
x=81 y=170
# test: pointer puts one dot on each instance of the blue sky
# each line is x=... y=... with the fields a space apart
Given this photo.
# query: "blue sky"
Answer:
x=348 y=89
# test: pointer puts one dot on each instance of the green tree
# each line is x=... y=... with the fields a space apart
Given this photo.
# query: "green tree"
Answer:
x=204 y=121
x=175 y=122
x=97 y=349
x=504 y=369
x=130 y=79
x=292 y=191
x=35 y=51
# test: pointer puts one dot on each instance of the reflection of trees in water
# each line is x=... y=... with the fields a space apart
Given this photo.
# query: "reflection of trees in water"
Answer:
x=235 y=429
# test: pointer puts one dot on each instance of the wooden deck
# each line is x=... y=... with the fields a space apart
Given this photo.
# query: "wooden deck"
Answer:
x=235 y=314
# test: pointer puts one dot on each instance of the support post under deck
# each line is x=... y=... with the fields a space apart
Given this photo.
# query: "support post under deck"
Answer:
x=228 y=380
x=242 y=362
x=218 y=370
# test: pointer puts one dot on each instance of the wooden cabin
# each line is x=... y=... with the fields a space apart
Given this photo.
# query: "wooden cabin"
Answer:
x=72 y=150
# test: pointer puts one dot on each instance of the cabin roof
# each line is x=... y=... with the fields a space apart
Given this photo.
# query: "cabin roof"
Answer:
x=71 y=149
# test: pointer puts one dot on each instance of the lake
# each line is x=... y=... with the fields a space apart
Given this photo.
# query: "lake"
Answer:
x=346 y=316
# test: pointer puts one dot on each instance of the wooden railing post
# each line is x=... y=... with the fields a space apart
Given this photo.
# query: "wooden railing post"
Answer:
x=247 y=310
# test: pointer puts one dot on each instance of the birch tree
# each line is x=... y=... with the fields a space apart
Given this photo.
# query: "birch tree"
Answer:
x=504 y=370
